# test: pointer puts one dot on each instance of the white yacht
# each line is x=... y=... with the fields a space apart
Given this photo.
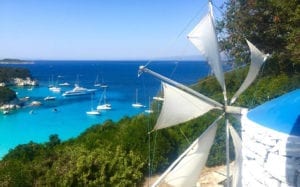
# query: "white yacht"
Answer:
x=48 y=98
x=77 y=91
x=64 y=84
x=93 y=112
x=55 y=89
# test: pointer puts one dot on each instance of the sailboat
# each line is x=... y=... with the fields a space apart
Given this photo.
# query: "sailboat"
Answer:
x=93 y=111
x=103 y=105
x=149 y=110
x=97 y=84
x=137 y=104
x=186 y=169
x=54 y=87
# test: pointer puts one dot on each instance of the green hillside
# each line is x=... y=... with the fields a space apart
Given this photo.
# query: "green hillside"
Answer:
x=117 y=154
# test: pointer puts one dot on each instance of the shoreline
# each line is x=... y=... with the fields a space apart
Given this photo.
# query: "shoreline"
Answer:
x=15 y=63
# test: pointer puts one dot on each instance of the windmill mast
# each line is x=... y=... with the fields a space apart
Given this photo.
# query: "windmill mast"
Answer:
x=180 y=86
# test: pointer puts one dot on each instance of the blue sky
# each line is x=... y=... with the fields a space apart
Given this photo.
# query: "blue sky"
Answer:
x=98 y=29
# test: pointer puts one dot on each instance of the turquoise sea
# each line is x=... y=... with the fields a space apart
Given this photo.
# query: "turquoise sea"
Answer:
x=70 y=119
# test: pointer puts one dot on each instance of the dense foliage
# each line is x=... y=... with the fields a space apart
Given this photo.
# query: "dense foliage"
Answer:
x=6 y=95
x=6 y=76
x=7 y=73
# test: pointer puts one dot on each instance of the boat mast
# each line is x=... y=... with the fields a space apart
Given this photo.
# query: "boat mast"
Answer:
x=136 y=95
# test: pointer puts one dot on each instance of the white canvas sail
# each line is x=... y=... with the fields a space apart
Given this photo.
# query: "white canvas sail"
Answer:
x=237 y=168
x=204 y=38
x=179 y=106
x=257 y=60
x=185 y=171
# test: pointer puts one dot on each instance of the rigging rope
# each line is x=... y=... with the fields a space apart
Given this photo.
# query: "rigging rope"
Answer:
x=185 y=136
x=149 y=150
x=219 y=9
x=174 y=69
x=172 y=42
x=154 y=148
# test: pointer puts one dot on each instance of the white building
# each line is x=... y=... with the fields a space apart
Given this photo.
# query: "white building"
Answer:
x=271 y=143
x=24 y=82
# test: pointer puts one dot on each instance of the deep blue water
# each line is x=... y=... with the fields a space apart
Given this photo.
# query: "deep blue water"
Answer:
x=70 y=119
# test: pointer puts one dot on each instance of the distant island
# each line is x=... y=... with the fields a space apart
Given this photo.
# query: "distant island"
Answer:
x=15 y=61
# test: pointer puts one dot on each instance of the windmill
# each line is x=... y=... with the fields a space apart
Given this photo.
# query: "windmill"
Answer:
x=185 y=170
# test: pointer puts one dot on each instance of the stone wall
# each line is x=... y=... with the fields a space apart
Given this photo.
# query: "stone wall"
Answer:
x=270 y=158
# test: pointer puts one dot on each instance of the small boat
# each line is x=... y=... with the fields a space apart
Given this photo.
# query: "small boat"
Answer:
x=64 y=84
x=55 y=89
x=149 y=111
x=52 y=87
x=5 y=112
x=35 y=103
x=103 y=85
x=93 y=111
x=49 y=98
x=103 y=105
x=137 y=104
x=97 y=84
x=77 y=91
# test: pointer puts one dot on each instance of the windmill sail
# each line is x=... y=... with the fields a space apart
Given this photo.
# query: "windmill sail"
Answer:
x=237 y=168
x=179 y=107
x=181 y=104
x=204 y=38
x=257 y=60
x=185 y=171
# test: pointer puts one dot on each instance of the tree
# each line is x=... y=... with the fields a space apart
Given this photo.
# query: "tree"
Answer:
x=53 y=140
x=6 y=95
x=272 y=25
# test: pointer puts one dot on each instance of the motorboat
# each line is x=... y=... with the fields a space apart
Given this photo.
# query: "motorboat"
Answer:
x=49 y=98
x=77 y=91
x=64 y=84
x=55 y=89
